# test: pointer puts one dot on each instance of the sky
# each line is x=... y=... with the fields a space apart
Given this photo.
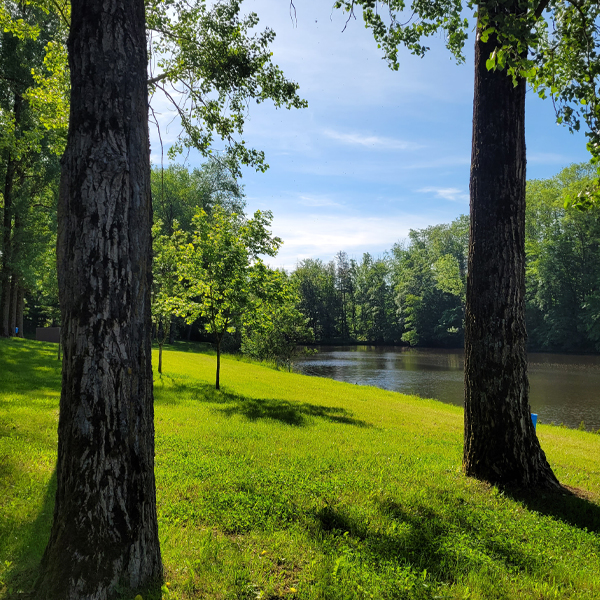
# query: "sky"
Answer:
x=377 y=152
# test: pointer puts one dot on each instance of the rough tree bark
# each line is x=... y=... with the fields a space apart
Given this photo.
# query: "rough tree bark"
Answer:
x=104 y=537
x=500 y=441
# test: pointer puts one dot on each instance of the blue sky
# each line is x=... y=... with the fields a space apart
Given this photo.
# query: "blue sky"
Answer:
x=377 y=152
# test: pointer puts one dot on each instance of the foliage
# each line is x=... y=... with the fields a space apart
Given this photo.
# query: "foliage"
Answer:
x=430 y=282
x=30 y=141
x=223 y=278
x=414 y=294
x=274 y=330
x=165 y=280
x=178 y=192
x=209 y=56
x=374 y=309
x=420 y=299
x=282 y=481
x=563 y=264
x=315 y=282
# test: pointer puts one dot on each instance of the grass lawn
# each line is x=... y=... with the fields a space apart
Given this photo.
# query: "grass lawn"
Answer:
x=282 y=485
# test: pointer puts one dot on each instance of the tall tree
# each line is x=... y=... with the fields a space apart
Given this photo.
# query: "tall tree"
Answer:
x=28 y=162
x=104 y=536
x=319 y=301
x=563 y=264
x=500 y=442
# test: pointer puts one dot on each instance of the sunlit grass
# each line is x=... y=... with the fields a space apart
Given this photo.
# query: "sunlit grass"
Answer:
x=282 y=485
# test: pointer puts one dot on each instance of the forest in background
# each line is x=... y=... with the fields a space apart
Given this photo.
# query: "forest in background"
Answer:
x=414 y=294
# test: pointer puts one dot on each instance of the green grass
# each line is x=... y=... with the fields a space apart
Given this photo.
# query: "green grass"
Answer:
x=282 y=485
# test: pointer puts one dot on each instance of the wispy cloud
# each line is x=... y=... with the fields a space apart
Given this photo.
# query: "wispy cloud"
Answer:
x=548 y=158
x=318 y=201
x=434 y=163
x=322 y=236
x=446 y=193
x=371 y=141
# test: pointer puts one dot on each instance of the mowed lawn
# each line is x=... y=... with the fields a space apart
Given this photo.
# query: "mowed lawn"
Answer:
x=282 y=485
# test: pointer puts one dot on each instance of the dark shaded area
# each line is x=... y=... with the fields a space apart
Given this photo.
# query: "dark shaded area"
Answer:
x=448 y=541
x=191 y=347
x=291 y=413
x=32 y=537
x=25 y=367
x=570 y=505
x=337 y=521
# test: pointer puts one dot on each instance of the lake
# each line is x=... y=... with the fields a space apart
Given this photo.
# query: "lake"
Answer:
x=564 y=388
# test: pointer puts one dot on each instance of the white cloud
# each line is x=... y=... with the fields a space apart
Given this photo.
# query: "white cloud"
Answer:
x=318 y=201
x=322 y=236
x=545 y=158
x=446 y=193
x=371 y=141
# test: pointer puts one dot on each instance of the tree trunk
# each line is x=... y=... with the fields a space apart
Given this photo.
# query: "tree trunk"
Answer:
x=160 y=346
x=12 y=311
x=104 y=538
x=20 y=308
x=5 y=267
x=218 y=383
x=500 y=441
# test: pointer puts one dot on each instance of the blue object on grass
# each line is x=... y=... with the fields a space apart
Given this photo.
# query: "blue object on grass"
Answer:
x=534 y=419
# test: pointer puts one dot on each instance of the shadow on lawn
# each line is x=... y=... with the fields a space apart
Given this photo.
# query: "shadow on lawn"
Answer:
x=448 y=542
x=27 y=366
x=291 y=413
x=26 y=553
x=570 y=505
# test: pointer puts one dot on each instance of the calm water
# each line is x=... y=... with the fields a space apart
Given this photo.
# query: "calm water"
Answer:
x=564 y=389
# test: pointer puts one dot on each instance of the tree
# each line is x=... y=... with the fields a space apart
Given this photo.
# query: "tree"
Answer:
x=345 y=286
x=429 y=280
x=165 y=281
x=208 y=62
x=563 y=264
x=222 y=274
x=319 y=301
x=375 y=311
x=30 y=141
x=276 y=329
x=177 y=192
x=500 y=444
x=500 y=441
x=104 y=536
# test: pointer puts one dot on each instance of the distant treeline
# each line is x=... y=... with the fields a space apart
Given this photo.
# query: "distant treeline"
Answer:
x=415 y=293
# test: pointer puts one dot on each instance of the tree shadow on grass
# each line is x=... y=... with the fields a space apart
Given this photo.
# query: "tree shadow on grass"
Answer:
x=570 y=505
x=28 y=367
x=439 y=533
x=25 y=554
x=298 y=414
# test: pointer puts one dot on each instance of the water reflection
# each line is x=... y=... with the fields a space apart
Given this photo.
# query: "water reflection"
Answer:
x=564 y=389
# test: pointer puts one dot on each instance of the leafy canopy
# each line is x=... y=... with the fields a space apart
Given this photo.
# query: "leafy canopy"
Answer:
x=210 y=64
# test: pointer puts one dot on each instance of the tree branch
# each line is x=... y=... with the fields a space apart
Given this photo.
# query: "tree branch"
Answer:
x=158 y=78
x=540 y=9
